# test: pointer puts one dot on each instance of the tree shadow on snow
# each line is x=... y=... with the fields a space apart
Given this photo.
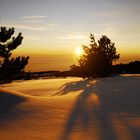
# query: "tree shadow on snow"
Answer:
x=100 y=110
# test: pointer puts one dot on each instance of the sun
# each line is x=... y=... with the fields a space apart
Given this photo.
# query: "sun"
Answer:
x=79 y=51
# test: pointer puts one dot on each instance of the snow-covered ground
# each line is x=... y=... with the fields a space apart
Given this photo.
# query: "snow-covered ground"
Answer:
x=71 y=109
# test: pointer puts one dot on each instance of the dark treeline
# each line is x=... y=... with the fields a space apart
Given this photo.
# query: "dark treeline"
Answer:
x=131 y=68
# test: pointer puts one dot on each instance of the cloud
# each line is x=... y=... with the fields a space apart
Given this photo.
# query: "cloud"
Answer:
x=33 y=21
x=27 y=26
x=72 y=37
x=33 y=17
x=31 y=38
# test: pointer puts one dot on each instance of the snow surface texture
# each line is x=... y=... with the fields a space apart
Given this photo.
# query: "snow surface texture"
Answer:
x=71 y=109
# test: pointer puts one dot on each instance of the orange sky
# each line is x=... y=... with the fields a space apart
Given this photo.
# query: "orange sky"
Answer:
x=52 y=27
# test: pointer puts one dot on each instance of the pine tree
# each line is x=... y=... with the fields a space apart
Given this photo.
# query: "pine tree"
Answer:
x=98 y=57
x=10 y=68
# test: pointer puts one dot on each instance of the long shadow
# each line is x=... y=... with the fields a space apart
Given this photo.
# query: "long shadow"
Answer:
x=72 y=86
x=8 y=103
x=97 y=102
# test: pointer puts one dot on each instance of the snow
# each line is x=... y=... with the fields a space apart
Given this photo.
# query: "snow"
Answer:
x=71 y=109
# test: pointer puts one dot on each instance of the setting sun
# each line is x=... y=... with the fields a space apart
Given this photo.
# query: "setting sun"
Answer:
x=79 y=51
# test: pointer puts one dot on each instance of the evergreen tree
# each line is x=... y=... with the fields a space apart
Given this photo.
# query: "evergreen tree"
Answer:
x=98 y=57
x=10 y=68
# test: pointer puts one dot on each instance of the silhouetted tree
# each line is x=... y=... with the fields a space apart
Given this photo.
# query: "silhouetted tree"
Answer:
x=75 y=70
x=10 y=68
x=98 y=57
x=132 y=67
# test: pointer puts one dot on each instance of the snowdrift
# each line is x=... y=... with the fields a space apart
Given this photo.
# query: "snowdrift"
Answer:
x=71 y=109
x=9 y=100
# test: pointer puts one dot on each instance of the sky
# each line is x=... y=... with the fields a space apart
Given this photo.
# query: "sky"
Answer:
x=58 y=27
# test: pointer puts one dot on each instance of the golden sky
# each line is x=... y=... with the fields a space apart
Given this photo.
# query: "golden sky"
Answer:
x=52 y=27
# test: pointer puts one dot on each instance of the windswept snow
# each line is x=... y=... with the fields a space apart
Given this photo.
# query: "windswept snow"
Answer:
x=71 y=109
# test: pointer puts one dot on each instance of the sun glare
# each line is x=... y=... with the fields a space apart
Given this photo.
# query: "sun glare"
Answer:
x=79 y=51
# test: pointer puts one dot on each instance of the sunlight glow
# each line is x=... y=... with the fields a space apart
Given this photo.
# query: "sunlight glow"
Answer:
x=79 y=51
